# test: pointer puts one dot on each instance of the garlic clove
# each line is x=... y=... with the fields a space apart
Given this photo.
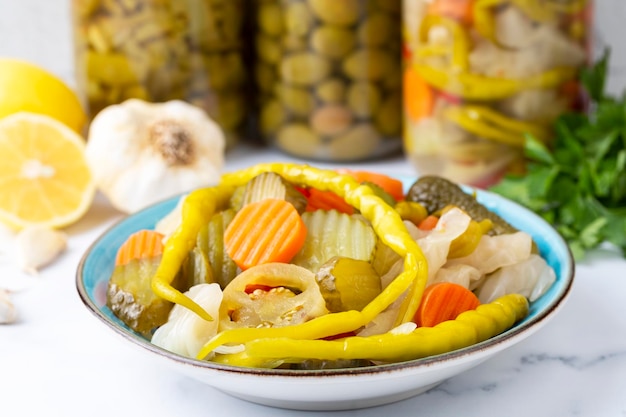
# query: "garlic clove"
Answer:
x=8 y=313
x=38 y=246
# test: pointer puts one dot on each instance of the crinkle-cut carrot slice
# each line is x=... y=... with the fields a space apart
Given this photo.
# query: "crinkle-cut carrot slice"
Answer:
x=444 y=301
x=269 y=230
x=141 y=244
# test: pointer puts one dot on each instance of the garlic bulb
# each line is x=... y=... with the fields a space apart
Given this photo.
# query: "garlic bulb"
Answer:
x=141 y=152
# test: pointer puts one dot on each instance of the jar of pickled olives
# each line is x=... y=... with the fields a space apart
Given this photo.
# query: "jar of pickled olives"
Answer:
x=160 y=50
x=481 y=75
x=328 y=76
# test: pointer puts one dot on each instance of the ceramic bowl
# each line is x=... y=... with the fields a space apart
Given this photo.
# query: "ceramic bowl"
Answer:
x=337 y=389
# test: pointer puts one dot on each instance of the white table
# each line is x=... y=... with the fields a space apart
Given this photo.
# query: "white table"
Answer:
x=59 y=360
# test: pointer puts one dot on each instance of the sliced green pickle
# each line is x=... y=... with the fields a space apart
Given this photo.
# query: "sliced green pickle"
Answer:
x=435 y=193
x=197 y=269
x=130 y=296
x=347 y=284
x=272 y=185
x=331 y=233
x=210 y=241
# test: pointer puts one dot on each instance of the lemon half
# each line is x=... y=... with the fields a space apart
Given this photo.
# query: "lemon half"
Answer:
x=44 y=177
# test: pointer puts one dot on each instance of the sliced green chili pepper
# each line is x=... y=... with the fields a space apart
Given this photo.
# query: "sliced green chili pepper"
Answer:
x=468 y=328
x=489 y=124
x=461 y=43
x=482 y=88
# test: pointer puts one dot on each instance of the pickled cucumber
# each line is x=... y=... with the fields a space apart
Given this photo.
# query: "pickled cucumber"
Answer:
x=130 y=296
x=435 y=193
x=272 y=185
x=347 y=284
x=210 y=241
x=197 y=269
x=330 y=234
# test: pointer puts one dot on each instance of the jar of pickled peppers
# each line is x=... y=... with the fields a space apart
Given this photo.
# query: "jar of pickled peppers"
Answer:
x=479 y=75
x=160 y=50
x=328 y=76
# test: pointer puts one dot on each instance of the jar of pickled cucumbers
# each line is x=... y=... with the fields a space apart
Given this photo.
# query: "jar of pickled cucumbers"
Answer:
x=328 y=76
x=480 y=75
x=160 y=50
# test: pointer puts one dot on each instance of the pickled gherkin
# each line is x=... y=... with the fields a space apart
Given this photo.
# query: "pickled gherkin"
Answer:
x=348 y=284
x=335 y=93
x=272 y=185
x=435 y=193
x=130 y=296
x=331 y=233
x=210 y=241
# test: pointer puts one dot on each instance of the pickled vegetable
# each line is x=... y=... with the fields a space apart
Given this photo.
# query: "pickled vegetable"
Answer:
x=130 y=297
x=480 y=75
x=210 y=241
x=347 y=284
x=163 y=50
x=330 y=234
x=335 y=92
x=271 y=185
x=271 y=295
x=435 y=193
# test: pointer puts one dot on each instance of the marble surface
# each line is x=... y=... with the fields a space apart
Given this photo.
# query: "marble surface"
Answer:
x=58 y=360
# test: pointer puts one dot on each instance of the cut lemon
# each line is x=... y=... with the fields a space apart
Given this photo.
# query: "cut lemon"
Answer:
x=27 y=87
x=44 y=177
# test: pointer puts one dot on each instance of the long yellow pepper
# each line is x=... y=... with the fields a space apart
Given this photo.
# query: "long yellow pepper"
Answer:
x=197 y=210
x=468 y=328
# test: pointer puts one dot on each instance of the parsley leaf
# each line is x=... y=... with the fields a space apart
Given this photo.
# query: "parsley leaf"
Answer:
x=579 y=184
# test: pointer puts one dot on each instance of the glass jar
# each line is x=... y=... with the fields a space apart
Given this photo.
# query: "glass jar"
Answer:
x=160 y=50
x=328 y=76
x=479 y=75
